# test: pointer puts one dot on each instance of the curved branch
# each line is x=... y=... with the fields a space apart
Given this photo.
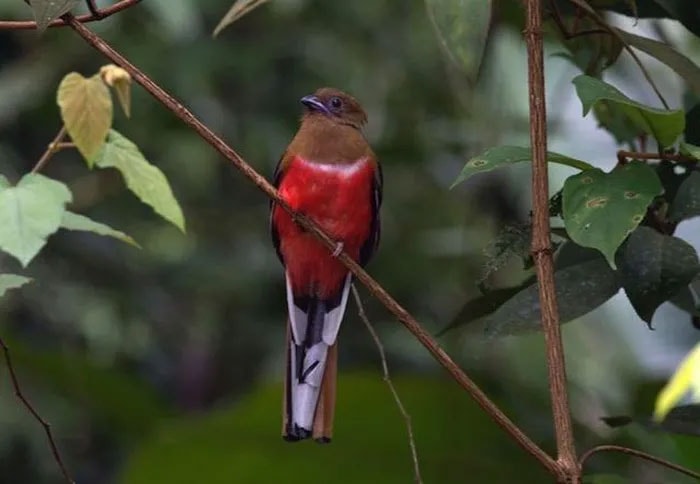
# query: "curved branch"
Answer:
x=97 y=14
x=373 y=286
x=639 y=454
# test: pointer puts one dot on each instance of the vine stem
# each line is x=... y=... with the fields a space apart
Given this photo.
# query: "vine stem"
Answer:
x=373 y=286
x=568 y=468
x=639 y=454
x=55 y=146
x=96 y=14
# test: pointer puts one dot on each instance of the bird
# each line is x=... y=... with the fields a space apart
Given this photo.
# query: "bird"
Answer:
x=330 y=174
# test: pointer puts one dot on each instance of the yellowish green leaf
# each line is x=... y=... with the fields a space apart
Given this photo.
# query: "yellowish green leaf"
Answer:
x=11 y=281
x=120 y=80
x=86 y=109
x=685 y=380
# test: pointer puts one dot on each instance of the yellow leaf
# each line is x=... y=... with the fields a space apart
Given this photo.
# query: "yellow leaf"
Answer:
x=686 y=379
x=86 y=109
x=237 y=10
x=120 y=80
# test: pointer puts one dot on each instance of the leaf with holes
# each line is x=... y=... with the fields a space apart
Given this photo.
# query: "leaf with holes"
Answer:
x=654 y=267
x=145 y=180
x=580 y=289
x=237 y=10
x=502 y=156
x=462 y=27
x=86 y=109
x=11 y=281
x=682 y=65
x=601 y=209
x=29 y=213
x=664 y=125
x=686 y=204
x=47 y=10
x=74 y=221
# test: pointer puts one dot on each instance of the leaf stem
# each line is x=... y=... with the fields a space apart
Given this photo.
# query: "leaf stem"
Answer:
x=53 y=148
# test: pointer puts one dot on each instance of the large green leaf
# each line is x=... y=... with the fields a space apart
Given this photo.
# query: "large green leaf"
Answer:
x=145 y=180
x=600 y=209
x=29 y=213
x=681 y=64
x=86 y=109
x=74 y=221
x=47 y=10
x=11 y=281
x=654 y=267
x=664 y=125
x=687 y=201
x=240 y=443
x=580 y=289
x=502 y=156
x=462 y=27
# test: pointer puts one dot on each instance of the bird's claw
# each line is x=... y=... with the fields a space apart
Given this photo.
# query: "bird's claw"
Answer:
x=338 y=249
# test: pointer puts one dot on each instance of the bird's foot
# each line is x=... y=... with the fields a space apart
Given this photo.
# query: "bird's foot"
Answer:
x=338 y=249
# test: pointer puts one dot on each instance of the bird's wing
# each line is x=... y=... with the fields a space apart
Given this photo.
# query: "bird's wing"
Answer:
x=370 y=246
x=276 y=180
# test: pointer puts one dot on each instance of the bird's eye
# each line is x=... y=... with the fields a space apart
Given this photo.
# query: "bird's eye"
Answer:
x=336 y=102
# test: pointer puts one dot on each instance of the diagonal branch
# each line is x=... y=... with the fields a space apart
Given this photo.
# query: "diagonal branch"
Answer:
x=95 y=14
x=542 y=247
x=385 y=375
x=373 y=286
x=28 y=405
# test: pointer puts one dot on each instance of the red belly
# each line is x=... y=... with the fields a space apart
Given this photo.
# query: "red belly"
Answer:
x=339 y=200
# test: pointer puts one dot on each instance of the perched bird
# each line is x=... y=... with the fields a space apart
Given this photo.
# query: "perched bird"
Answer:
x=330 y=174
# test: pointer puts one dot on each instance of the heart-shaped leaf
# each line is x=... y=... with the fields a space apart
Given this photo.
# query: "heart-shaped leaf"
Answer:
x=145 y=180
x=86 y=110
x=29 y=213
x=502 y=156
x=462 y=27
x=74 y=221
x=664 y=125
x=11 y=281
x=600 y=209
x=120 y=80
x=687 y=201
x=654 y=267
x=47 y=10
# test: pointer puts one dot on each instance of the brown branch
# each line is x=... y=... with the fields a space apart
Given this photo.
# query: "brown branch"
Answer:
x=28 y=405
x=53 y=147
x=377 y=290
x=385 y=376
x=94 y=15
x=624 y=156
x=641 y=455
x=542 y=246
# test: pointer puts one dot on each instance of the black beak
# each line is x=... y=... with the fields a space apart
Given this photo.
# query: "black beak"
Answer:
x=314 y=104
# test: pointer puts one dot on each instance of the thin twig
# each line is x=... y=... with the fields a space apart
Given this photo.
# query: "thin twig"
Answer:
x=390 y=384
x=373 y=286
x=28 y=405
x=94 y=11
x=51 y=149
x=90 y=17
x=637 y=453
x=542 y=247
x=623 y=156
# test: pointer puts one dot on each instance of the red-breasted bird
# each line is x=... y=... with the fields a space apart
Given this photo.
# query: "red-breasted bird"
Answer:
x=329 y=173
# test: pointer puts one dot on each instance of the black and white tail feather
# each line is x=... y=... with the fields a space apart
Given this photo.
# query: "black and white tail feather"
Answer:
x=313 y=330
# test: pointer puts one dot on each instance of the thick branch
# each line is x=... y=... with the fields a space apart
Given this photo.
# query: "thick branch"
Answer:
x=640 y=455
x=542 y=246
x=96 y=14
x=378 y=291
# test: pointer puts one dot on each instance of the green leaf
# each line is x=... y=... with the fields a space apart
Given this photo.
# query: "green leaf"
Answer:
x=145 y=180
x=580 y=289
x=690 y=150
x=665 y=126
x=86 y=110
x=462 y=27
x=29 y=213
x=501 y=156
x=681 y=64
x=200 y=448
x=685 y=380
x=74 y=221
x=687 y=202
x=47 y=10
x=11 y=281
x=600 y=209
x=683 y=419
x=237 y=10
x=654 y=267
